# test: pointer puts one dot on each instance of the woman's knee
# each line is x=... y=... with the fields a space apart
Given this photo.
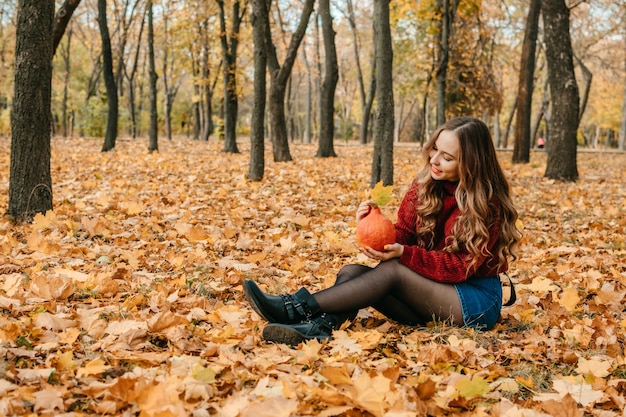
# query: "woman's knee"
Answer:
x=350 y=271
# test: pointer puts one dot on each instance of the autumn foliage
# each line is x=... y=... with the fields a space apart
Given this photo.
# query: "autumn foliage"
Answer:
x=126 y=299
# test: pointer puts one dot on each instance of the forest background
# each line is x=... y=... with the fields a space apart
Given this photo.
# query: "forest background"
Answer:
x=125 y=298
x=485 y=50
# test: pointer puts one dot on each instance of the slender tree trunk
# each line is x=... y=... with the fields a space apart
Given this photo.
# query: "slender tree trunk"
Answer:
x=109 y=79
x=448 y=11
x=622 y=129
x=66 y=83
x=61 y=20
x=131 y=85
x=382 y=163
x=30 y=182
x=207 y=113
x=522 y=145
x=587 y=77
x=279 y=76
x=545 y=102
x=329 y=84
x=153 y=145
x=260 y=22
x=306 y=136
x=367 y=110
x=230 y=43
x=509 y=122
x=562 y=143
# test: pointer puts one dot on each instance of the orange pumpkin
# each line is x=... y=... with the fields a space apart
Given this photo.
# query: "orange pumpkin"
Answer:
x=375 y=230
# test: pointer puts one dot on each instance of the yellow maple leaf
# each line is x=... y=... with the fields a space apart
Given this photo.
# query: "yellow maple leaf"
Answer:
x=570 y=299
x=381 y=195
x=475 y=387
x=95 y=367
x=594 y=366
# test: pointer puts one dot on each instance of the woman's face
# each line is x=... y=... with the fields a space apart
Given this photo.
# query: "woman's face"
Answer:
x=444 y=157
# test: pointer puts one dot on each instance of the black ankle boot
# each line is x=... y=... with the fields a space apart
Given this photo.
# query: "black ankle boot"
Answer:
x=320 y=328
x=286 y=308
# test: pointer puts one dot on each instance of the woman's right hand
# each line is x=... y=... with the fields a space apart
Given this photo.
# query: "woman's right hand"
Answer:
x=364 y=209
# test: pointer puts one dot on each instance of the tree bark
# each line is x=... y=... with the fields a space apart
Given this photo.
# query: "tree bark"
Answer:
x=30 y=182
x=448 y=12
x=279 y=75
x=66 y=84
x=382 y=163
x=153 y=145
x=561 y=145
x=260 y=23
x=230 y=43
x=329 y=84
x=109 y=79
x=522 y=145
x=61 y=20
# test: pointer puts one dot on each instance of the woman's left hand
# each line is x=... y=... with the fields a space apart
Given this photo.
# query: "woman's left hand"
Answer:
x=394 y=250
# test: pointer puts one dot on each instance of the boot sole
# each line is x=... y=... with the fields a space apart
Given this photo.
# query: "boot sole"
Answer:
x=278 y=333
x=249 y=288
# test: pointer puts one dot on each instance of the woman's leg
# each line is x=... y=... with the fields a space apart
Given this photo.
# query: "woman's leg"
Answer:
x=394 y=290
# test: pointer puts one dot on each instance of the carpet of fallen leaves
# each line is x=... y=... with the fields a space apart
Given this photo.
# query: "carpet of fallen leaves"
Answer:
x=126 y=299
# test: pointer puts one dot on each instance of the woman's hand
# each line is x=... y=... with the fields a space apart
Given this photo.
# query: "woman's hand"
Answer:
x=394 y=250
x=364 y=209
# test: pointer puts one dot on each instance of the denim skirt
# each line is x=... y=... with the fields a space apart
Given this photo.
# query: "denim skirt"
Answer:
x=481 y=301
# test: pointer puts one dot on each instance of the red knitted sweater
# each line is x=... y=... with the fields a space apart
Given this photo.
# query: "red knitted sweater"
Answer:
x=438 y=264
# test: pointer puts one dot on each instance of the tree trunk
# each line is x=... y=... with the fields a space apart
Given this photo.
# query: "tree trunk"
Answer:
x=131 y=83
x=260 y=23
x=561 y=145
x=329 y=84
x=306 y=135
x=505 y=137
x=367 y=110
x=30 y=182
x=66 y=84
x=587 y=77
x=207 y=94
x=230 y=43
x=109 y=79
x=521 y=147
x=443 y=53
x=61 y=20
x=382 y=163
x=279 y=76
x=153 y=128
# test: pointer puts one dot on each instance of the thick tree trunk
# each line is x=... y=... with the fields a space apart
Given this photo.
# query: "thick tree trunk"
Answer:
x=109 y=79
x=30 y=183
x=260 y=22
x=561 y=145
x=153 y=136
x=329 y=84
x=382 y=163
x=522 y=145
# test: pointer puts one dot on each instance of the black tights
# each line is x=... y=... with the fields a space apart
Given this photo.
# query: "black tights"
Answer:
x=393 y=289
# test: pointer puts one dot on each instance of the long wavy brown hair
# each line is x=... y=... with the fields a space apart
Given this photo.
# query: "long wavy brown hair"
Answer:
x=482 y=196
